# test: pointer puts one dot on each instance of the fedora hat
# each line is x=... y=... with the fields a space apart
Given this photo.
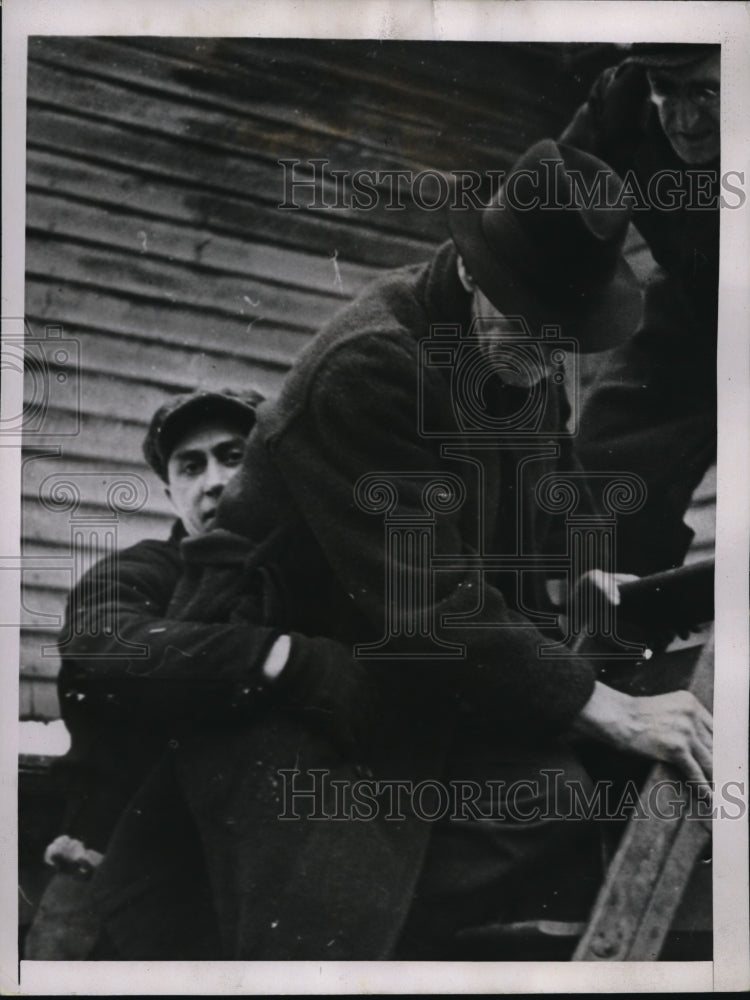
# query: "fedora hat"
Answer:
x=540 y=251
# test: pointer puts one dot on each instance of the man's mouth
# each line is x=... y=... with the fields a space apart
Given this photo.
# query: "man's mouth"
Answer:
x=693 y=138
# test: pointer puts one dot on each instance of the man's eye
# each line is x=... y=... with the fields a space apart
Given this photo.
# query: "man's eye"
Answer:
x=706 y=93
x=234 y=457
x=190 y=468
x=661 y=86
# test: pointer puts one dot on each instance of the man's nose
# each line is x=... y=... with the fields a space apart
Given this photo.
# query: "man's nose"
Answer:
x=685 y=115
x=215 y=479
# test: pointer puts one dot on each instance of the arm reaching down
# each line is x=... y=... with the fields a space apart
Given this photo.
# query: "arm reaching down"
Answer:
x=674 y=728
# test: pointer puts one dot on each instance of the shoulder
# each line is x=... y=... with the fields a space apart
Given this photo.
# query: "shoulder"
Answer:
x=151 y=562
x=152 y=551
x=369 y=346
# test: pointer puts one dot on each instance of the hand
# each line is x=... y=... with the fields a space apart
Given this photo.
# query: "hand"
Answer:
x=594 y=590
x=325 y=686
x=71 y=856
x=674 y=728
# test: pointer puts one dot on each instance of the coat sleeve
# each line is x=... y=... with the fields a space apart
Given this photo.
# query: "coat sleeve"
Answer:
x=122 y=655
x=610 y=123
x=585 y=130
x=360 y=418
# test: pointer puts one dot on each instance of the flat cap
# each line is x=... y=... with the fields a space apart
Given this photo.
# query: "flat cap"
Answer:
x=175 y=417
x=665 y=54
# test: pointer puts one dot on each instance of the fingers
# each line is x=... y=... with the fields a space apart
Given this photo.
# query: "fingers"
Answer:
x=705 y=717
x=693 y=736
x=71 y=856
x=605 y=583
x=704 y=758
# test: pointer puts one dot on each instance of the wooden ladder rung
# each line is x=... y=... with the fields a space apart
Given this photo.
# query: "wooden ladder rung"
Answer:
x=647 y=876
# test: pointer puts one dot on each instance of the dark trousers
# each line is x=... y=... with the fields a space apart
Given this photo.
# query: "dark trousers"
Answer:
x=540 y=859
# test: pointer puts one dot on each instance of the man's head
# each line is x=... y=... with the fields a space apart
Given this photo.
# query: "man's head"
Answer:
x=195 y=443
x=520 y=368
x=548 y=249
x=685 y=85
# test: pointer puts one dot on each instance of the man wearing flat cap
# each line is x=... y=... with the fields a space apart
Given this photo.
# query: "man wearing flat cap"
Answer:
x=655 y=118
x=133 y=678
x=421 y=429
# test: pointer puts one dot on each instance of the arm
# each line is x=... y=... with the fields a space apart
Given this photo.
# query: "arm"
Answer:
x=585 y=129
x=610 y=122
x=674 y=728
x=175 y=669
x=360 y=417
x=195 y=671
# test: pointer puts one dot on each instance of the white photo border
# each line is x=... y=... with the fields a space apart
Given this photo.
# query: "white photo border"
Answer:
x=442 y=20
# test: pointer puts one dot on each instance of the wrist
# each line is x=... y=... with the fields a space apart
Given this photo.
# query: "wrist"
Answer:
x=277 y=658
x=607 y=716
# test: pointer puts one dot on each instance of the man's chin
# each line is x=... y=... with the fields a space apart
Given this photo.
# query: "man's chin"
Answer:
x=696 y=152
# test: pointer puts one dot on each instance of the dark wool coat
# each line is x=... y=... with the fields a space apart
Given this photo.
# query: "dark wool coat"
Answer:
x=319 y=888
x=653 y=408
x=130 y=679
x=620 y=124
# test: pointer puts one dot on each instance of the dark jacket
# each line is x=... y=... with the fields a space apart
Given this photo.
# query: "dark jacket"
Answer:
x=652 y=408
x=130 y=680
x=315 y=889
x=620 y=124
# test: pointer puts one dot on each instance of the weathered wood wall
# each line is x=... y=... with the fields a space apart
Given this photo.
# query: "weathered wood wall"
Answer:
x=158 y=255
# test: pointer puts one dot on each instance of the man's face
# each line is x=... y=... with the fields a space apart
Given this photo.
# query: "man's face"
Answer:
x=516 y=366
x=200 y=466
x=688 y=103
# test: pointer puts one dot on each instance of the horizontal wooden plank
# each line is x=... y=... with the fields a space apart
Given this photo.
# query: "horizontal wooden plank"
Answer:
x=97 y=483
x=88 y=435
x=273 y=121
x=167 y=367
x=193 y=287
x=160 y=196
x=298 y=92
x=39 y=657
x=253 y=177
x=106 y=224
x=449 y=82
x=93 y=438
x=142 y=394
x=38 y=523
x=42 y=611
x=107 y=394
x=38 y=700
x=215 y=340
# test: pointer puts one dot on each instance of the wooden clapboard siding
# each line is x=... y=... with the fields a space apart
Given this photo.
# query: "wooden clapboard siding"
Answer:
x=702 y=518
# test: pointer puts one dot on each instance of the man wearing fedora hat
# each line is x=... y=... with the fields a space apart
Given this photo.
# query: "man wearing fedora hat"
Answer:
x=655 y=118
x=311 y=851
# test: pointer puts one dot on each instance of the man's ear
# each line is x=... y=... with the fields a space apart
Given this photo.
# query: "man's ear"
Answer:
x=463 y=275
